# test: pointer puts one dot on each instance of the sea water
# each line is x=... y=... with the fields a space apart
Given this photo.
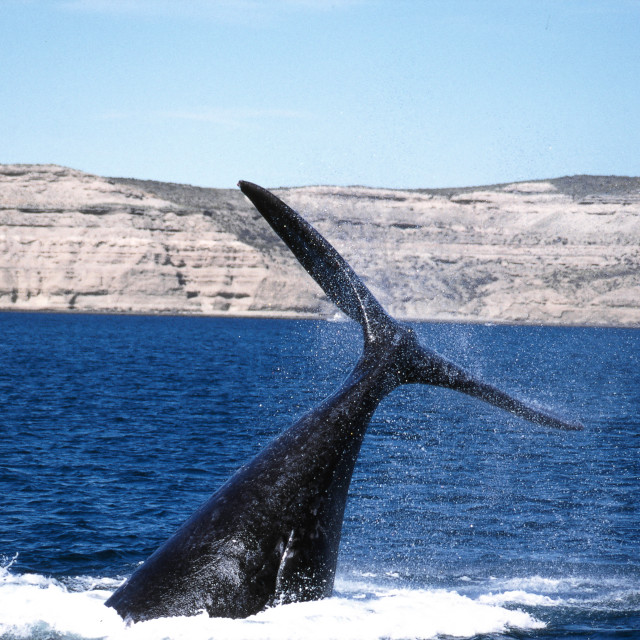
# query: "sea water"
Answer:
x=462 y=521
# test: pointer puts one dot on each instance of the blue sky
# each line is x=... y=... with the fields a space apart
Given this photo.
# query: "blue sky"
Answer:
x=295 y=92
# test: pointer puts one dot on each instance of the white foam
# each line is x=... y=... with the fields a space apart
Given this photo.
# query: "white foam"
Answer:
x=519 y=597
x=36 y=606
x=535 y=583
x=31 y=604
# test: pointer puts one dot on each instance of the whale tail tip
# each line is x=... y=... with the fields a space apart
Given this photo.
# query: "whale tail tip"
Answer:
x=323 y=263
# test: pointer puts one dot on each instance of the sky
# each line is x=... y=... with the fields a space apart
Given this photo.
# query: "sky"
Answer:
x=388 y=93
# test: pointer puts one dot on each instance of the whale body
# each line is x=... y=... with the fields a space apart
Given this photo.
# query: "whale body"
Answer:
x=271 y=533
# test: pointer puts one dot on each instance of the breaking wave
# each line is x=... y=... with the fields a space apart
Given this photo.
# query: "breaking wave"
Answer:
x=36 y=607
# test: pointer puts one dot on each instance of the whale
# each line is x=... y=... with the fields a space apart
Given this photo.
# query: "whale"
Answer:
x=270 y=534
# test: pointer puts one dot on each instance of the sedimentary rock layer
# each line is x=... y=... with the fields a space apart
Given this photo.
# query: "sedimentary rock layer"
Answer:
x=561 y=251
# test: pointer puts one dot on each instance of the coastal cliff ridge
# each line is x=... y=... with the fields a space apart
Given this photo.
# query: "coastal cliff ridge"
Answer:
x=558 y=251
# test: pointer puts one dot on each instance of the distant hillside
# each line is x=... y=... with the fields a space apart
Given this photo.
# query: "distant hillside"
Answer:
x=560 y=251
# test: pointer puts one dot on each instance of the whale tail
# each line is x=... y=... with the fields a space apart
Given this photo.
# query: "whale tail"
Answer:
x=413 y=363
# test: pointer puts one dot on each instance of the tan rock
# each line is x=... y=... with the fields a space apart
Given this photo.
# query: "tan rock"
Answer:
x=563 y=251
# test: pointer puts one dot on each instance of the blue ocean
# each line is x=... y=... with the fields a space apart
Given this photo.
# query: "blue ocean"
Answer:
x=462 y=522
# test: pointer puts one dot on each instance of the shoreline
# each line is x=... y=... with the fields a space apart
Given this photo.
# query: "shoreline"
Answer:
x=312 y=318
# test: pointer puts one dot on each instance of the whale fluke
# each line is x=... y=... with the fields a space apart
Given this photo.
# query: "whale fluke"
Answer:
x=271 y=533
x=345 y=289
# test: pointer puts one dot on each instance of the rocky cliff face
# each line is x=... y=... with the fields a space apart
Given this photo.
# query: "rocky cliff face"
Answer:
x=563 y=251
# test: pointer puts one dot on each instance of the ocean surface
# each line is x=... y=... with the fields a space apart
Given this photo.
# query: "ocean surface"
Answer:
x=463 y=521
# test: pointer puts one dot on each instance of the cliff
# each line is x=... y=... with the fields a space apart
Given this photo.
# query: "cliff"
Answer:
x=561 y=251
